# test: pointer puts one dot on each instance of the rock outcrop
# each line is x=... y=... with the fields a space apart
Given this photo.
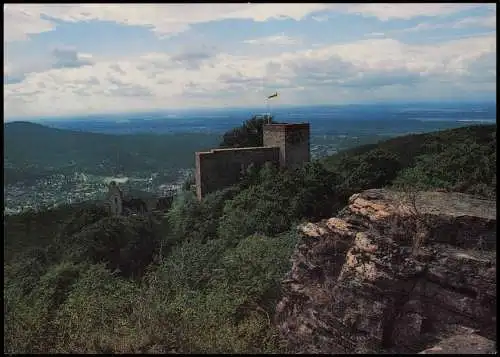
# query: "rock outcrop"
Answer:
x=393 y=272
x=464 y=344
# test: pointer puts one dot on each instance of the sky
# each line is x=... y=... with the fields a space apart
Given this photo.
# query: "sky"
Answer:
x=74 y=59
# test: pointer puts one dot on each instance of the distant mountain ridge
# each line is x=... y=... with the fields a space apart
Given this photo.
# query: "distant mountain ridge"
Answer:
x=32 y=147
x=325 y=119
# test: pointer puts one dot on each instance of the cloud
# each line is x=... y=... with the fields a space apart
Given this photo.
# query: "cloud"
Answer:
x=473 y=21
x=22 y=20
x=276 y=40
x=7 y=79
x=386 y=12
x=59 y=57
x=483 y=69
x=192 y=59
x=375 y=34
x=477 y=21
x=320 y=18
x=69 y=58
x=374 y=80
x=130 y=91
x=364 y=69
x=163 y=19
x=117 y=68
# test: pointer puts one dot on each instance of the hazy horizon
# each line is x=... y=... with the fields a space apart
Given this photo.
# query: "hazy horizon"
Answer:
x=255 y=110
x=83 y=59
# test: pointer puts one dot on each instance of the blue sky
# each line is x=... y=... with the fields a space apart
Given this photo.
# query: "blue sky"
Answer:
x=100 y=58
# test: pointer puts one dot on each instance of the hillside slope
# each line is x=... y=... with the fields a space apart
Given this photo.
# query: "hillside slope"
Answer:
x=460 y=160
x=205 y=277
x=32 y=149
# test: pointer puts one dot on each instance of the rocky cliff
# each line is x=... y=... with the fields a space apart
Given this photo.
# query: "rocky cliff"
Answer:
x=394 y=272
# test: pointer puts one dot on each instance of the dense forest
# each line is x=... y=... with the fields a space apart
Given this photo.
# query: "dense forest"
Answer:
x=32 y=151
x=204 y=276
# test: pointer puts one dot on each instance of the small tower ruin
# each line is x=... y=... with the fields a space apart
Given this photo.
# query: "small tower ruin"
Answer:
x=115 y=199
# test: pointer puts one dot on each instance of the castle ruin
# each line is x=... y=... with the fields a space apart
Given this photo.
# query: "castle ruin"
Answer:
x=115 y=199
x=284 y=145
x=121 y=204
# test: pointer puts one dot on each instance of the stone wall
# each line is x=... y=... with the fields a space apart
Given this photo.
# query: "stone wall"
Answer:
x=286 y=145
x=220 y=168
x=293 y=141
x=115 y=200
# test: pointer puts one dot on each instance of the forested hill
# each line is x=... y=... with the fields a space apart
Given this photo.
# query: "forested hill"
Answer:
x=206 y=276
x=32 y=149
x=462 y=160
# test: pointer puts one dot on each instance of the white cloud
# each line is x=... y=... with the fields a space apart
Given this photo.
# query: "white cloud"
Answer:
x=320 y=18
x=423 y=27
x=477 y=21
x=407 y=11
x=167 y=19
x=342 y=72
x=59 y=57
x=21 y=21
x=375 y=34
x=277 y=40
x=70 y=58
x=164 y=19
x=473 y=21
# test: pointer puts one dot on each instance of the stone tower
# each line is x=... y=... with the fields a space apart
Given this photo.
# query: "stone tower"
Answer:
x=115 y=199
x=293 y=141
x=285 y=145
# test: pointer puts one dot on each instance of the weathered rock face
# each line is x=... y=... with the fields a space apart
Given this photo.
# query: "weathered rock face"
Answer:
x=392 y=273
x=464 y=344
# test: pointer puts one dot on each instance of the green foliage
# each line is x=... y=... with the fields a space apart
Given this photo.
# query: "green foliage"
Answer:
x=23 y=274
x=188 y=183
x=462 y=160
x=319 y=192
x=254 y=210
x=29 y=317
x=83 y=217
x=468 y=166
x=96 y=312
x=39 y=228
x=191 y=219
x=252 y=269
x=272 y=201
x=101 y=154
x=376 y=168
x=223 y=299
x=183 y=214
x=125 y=244
x=247 y=135
x=206 y=276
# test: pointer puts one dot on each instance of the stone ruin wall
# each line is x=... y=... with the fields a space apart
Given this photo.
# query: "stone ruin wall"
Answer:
x=115 y=200
x=293 y=141
x=286 y=145
x=221 y=168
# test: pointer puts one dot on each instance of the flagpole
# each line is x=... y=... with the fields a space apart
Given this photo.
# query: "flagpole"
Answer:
x=269 y=111
x=268 y=114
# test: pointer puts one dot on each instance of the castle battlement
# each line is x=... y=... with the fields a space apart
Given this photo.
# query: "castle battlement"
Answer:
x=249 y=149
x=284 y=145
x=285 y=126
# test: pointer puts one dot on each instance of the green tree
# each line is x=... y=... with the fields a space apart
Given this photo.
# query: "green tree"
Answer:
x=250 y=134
